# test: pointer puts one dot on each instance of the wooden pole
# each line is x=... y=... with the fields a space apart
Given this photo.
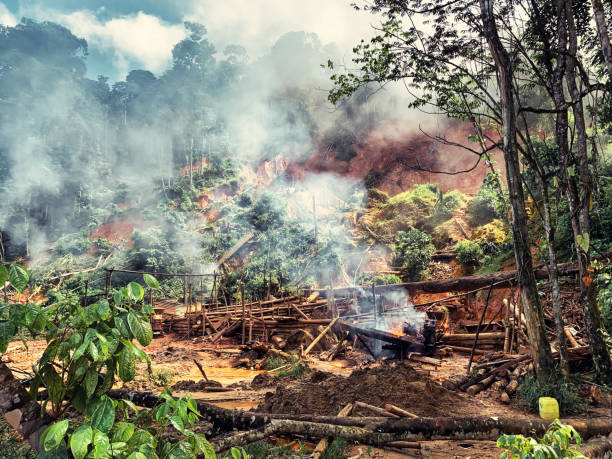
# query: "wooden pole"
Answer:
x=374 y=303
x=185 y=294
x=484 y=310
x=243 y=313
x=314 y=217
x=250 y=323
x=318 y=338
x=507 y=327
x=85 y=298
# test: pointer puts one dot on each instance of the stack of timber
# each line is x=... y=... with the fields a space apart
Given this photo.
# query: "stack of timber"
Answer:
x=259 y=320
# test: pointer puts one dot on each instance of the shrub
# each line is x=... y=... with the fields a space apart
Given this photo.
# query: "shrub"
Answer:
x=406 y=210
x=73 y=244
x=161 y=377
x=413 y=252
x=335 y=449
x=369 y=278
x=486 y=205
x=468 y=253
x=555 y=443
x=564 y=391
x=604 y=299
x=266 y=214
x=446 y=206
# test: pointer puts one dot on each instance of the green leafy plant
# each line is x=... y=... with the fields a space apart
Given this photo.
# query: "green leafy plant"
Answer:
x=555 y=444
x=413 y=251
x=469 y=253
x=564 y=391
x=88 y=348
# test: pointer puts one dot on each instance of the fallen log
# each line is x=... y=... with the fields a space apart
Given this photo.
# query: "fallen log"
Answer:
x=397 y=410
x=376 y=410
x=324 y=443
x=500 y=279
x=376 y=334
x=596 y=447
x=495 y=371
x=488 y=428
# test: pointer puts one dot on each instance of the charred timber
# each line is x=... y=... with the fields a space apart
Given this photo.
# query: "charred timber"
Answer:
x=376 y=334
x=502 y=279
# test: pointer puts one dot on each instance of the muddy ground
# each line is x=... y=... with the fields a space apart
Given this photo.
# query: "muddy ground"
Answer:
x=323 y=389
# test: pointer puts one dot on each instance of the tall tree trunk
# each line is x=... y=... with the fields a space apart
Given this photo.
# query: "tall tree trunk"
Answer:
x=602 y=33
x=579 y=196
x=540 y=348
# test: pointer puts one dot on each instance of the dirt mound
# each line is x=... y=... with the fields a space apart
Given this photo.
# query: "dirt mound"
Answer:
x=264 y=380
x=326 y=394
x=196 y=386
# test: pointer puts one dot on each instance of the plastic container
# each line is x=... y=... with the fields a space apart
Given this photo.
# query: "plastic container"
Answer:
x=549 y=408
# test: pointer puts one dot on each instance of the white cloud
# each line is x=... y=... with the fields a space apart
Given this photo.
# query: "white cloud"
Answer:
x=258 y=24
x=6 y=17
x=138 y=40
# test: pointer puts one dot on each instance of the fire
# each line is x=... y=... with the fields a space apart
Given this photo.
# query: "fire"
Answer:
x=397 y=329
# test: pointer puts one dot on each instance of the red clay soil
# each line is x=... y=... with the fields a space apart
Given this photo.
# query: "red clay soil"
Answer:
x=397 y=152
x=325 y=393
x=118 y=230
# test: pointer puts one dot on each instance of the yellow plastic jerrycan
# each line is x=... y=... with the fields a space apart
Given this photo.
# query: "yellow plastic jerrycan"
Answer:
x=549 y=408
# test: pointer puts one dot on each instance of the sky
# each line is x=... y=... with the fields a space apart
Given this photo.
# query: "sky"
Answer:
x=128 y=34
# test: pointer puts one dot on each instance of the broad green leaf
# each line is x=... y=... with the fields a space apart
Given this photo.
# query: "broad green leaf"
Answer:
x=123 y=431
x=117 y=296
x=205 y=447
x=18 y=277
x=584 y=241
x=177 y=422
x=90 y=314
x=103 y=309
x=103 y=414
x=101 y=444
x=137 y=455
x=108 y=379
x=91 y=380
x=53 y=435
x=93 y=351
x=80 y=441
x=3 y=275
x=151 y=281
x=127 y=364
x=80 y=350
x=36 y=318
x=7 y=331
x=140 y=327
x=235 y=452
x=121 y=323
x=135 y=291
x=75 y=340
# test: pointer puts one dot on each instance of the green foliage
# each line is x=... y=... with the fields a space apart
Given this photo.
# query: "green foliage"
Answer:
x=413 y=251
x=555 y=444
x=335 y=449
x=273 y=362
x=266 y=214
x=604 y=299
x=385 y=279
x=486 y=205
x=564 y=391
x=404 y=211
x=11 y=445
x=161 y=377
x=87 y=349
x=468 y=253
x=74 y=244
x=447 y=205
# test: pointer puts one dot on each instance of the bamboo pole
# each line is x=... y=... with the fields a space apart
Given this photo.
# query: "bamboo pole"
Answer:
x=243 y=313
x=318 y=338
